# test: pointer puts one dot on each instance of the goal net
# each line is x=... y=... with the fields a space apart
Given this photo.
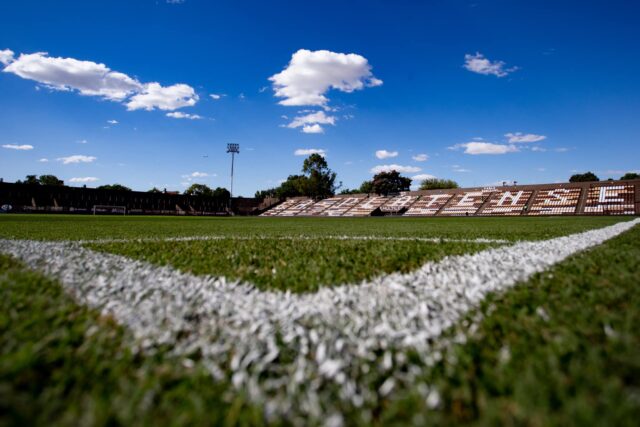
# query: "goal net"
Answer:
x=109 y=210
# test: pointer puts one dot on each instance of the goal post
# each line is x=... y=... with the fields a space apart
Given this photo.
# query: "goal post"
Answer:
x=109 y=209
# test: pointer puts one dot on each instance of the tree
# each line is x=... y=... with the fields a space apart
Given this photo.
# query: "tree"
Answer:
x=438 y=184
x=154 y=190
x=320 y=182
x=221 y=193
x=50 y=180
x=630 y=175
x=294 y=186
x=316 y=181
x=114 y=187
x=200 y=190
x=584 y=177
x=29 y=179
x=390 y=182
x=366 y=187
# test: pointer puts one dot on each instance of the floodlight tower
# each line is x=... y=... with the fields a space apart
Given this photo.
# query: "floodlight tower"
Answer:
x=233 y=149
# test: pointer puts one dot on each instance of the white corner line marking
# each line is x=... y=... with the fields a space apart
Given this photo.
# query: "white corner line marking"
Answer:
x=293 y=237
x=338 y=341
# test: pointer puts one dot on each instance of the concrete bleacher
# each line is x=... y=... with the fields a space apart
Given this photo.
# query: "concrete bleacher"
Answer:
x=367 y=206
x=466 y=203
x=428 y=205
x=590 y=198
x=507 y=203
x=399 y=204
x=343 y=205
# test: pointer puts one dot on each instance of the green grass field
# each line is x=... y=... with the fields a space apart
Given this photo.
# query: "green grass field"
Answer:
x=557 y=349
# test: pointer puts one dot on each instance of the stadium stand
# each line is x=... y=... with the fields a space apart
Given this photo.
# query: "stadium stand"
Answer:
x=281 y=207
x=556 y=201
x=428 y=205
x=321 y=206
x=467 y=203
x=300 y=206
x=399 y=204
x=588 y=198
x=610 y=200
x=367 y=206
x=508 y=203
x=343 y=205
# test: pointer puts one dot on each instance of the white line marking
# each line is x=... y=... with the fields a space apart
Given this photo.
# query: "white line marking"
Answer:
x=301 y=237
x=297 y=352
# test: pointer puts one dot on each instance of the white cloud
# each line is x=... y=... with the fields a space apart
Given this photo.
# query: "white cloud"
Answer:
x=67 y=74
x=459 y=169
x=309 y=151
x=422 y=177
x=311 y=122
x=84 y=179
x=538 y=149
x=479 y=64
x=217 y=96
x=394 y=167
x=199 y=174
x=561 y=150
x=384 y=154
x=76 y=158
x=23 y=147
x=181 y=115
x=310 y=74
x=6 y=56
x=175 y=1
x=524 y=138
x=475 y=148
x=82 y=141
x=43 y=160
x=164 y=98
x=420 y=157
x=112 y=122
x=94 y=79
x=312 y=129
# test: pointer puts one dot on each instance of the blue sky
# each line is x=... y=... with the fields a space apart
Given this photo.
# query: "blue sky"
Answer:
x=476 y=91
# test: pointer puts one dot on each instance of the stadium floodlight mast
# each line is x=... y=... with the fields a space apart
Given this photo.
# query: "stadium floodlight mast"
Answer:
x=233 y=149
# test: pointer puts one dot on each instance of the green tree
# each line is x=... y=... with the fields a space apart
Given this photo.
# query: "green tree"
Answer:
x=154 y=190
x=630 y=175
x=201 y=190
x=221 y=193
x=29 y=179
x=584 y=177
x=294 y=186
x=320 y=182
x=390 y=182
x=437 y=184
x=114 y=187
x=50 y=180
x=366 y=187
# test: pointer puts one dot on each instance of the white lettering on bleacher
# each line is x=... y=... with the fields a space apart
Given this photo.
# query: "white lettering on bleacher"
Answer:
x=558 y=197
x=400 y=201
x=434 y=199
x=607 y=194
x=513 y=197
x=468 y=198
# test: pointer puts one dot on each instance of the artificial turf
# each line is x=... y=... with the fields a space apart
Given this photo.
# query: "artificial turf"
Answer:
x=296 y=265
x=560 y=349
x=79 y=227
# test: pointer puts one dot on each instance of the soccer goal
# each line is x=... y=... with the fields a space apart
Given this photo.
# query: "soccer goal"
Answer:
x=109 y=209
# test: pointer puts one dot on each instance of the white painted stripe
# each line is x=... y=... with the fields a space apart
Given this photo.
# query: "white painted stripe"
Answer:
x=300 y=237
x=339 y=341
